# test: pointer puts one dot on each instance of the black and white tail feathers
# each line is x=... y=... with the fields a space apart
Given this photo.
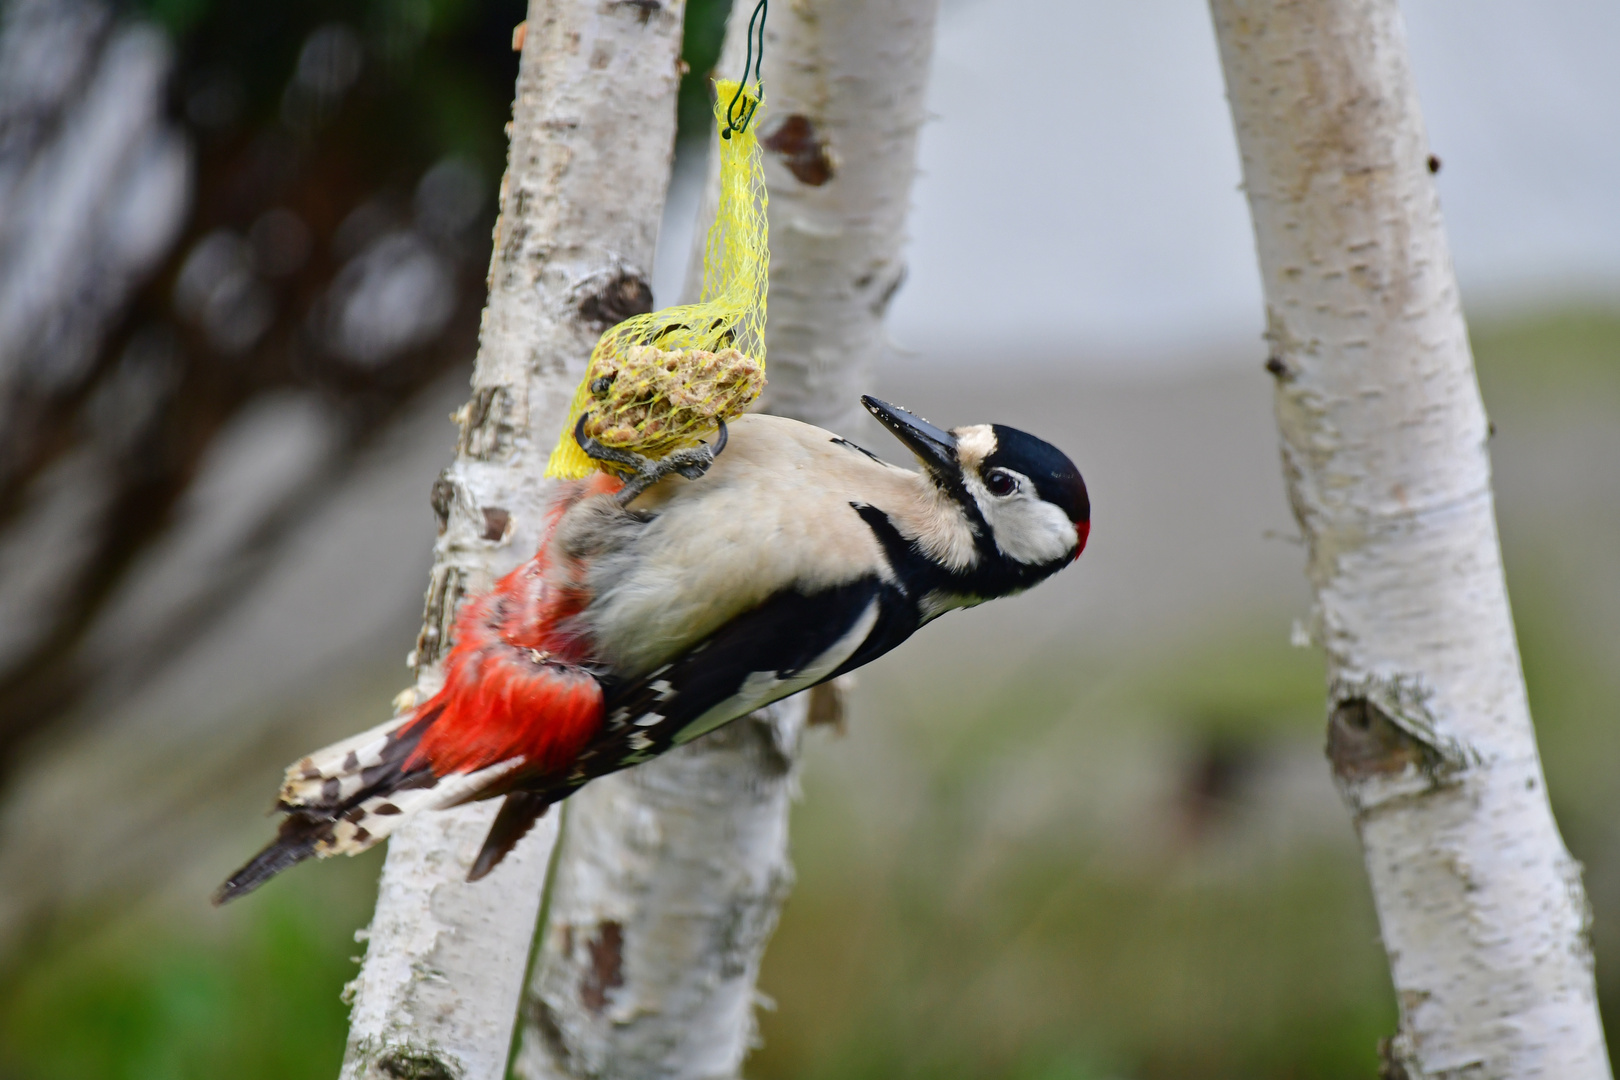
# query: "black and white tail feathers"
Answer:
x=343 y=799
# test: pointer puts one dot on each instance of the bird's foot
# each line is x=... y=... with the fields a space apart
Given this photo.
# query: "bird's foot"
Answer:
x=691 y=463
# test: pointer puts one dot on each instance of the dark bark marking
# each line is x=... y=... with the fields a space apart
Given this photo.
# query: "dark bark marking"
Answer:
x=496 y=519
x=445 y=590
x=615 y=300
x=545 y=1020
x=1434 y=163
x=442 y=495
x=1390 y=1066
x=606 y=971
x=410 y=1063
x=880 y=303
x=486 y=425
x=645 y=9
x=802 y=149
x=748 y=921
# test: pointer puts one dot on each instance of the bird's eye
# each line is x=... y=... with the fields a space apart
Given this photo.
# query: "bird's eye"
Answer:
x=1000 y=482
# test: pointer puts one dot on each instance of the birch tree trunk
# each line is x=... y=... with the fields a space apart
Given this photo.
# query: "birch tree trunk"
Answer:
x=672 y=874
x=1384 y=450
x=591 y=141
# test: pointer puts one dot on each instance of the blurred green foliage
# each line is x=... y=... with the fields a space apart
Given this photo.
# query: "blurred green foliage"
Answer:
x=249 y=994
x=1548 y=356
x=436 y=78
x=705 y=33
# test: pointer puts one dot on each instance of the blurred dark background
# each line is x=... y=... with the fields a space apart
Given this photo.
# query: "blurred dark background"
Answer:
x=242 y=250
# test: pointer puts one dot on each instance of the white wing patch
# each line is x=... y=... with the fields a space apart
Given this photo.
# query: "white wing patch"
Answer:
x=1031 y=531
x=763 y=687
x=936 y=603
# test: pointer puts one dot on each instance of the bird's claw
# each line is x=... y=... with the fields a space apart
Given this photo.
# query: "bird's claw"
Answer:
x=691 y=463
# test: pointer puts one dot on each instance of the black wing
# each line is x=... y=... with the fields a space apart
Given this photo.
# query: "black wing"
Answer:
x=789 y=643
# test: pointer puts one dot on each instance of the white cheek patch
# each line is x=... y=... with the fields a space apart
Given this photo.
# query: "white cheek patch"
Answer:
x=1026 y=528
x=1032 y=531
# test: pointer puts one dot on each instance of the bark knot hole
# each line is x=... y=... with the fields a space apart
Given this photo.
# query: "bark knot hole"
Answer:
x=605 y=972
x=1381 y=727
x=1362 y=742
x=496 y=519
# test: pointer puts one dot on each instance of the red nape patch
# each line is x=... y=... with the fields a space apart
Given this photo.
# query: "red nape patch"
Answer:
x=1082 y=532
x=513 y=685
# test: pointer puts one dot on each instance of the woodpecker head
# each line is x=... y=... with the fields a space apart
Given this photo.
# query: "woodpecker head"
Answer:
x=1027 y=494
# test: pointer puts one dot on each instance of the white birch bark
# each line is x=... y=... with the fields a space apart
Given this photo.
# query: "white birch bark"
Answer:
x=591 y=141
x=1384 y=450
x=672 y=874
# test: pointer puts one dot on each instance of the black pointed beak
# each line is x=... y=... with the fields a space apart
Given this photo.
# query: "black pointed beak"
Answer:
x=934 y=447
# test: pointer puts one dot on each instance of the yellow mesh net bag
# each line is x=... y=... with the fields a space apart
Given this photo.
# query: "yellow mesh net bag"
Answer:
x=658 y=382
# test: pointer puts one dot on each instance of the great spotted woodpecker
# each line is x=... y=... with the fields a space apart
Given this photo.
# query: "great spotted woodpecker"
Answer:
x=658 y=609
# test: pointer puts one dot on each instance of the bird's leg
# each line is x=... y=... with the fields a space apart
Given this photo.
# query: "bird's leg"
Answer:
x=691 y=463
x=597 y=452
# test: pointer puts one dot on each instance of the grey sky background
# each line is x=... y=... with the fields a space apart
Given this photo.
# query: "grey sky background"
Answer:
x=1079 y=197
